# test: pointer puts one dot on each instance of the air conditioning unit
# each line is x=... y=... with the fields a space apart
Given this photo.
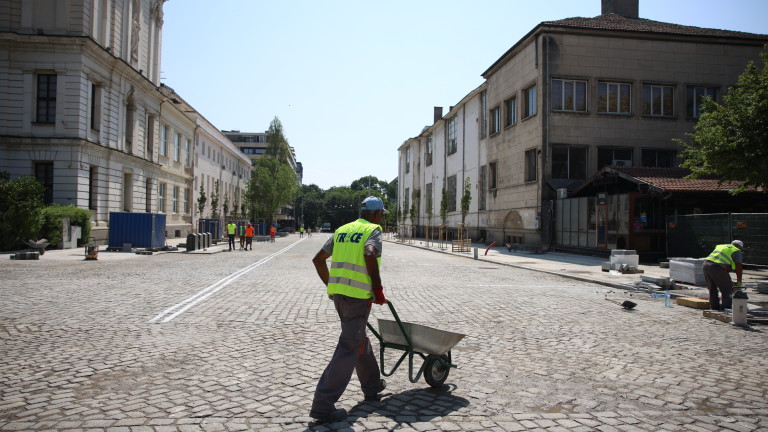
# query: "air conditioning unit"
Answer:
x=562 y=193
x=621 y=163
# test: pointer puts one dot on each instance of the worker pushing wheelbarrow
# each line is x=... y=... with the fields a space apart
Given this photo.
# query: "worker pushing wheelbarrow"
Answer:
x=432 y=345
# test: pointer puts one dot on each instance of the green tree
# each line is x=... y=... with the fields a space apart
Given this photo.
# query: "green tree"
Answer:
x=20 y=203
x=444 y=206
x=277 y=144
x=429 y=209
x=215 y=201
x=730 y=141
x=372 y=184
x=466 y=199
x=311 y=204
x=201 y=200
x=225 y=205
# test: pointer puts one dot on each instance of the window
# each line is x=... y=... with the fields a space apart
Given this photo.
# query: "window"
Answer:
x=510 y=116
x=529 y=101
x=569 y=162
x=186 y=200
x=613 y=98
x=148 y=204
x=430 y=200
x=653 y=158
x=481 y=199
x=92 y=188
x=408 y=159
x=44 y=174
x=450 y=143
x=614 y=156
x=492 y=175
x=95 y=107
x=495 y=119
x=127 y=191
x=177 y=147
x=693 y=98
x=569 y=95
x=451 y=193
x=150 y=136
x=163 y=140
x=175 y=199
x=658 y=100
x=46 y=98
x=161 y=197
x=428 y=156
x=530 y=165
x=483 y=110
x=187 y=156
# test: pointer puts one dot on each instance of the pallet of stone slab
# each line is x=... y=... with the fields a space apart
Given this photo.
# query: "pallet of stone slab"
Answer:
x=693 y=302
x=752 y=319
x=688 y=270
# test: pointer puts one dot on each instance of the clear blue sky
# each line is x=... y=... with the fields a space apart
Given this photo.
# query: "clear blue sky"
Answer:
x=351 y=80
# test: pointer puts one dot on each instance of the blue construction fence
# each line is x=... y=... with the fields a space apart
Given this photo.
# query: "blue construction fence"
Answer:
x=140 y=230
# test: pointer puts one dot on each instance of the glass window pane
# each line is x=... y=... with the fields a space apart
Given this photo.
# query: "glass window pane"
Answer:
x=656 y=92
x=669 y=98
x=581 y=96
x=578 y=163
x=560 y=162
x=557 y=94
x=647 y=100
x=568 y=95
x=624 y=98
x=602 y=101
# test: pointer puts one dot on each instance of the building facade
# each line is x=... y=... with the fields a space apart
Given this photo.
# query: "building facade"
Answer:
x=83 y=111
x=570 y=98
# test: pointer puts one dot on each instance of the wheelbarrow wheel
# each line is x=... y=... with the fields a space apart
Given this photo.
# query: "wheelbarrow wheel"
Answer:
x=435 y=373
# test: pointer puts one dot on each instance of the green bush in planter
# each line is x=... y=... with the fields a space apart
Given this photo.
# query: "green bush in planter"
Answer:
x=54 y=214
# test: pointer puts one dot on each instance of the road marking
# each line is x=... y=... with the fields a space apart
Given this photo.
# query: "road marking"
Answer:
x=181 y=307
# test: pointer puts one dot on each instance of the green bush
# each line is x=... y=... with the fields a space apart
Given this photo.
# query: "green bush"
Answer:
x=20 y=203
x=54 y=214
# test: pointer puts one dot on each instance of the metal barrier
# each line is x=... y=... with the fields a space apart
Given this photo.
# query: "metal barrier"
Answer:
x=697 y=235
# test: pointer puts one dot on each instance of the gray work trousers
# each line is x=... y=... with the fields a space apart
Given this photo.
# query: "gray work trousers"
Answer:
x=353 y=353
x=717 y=277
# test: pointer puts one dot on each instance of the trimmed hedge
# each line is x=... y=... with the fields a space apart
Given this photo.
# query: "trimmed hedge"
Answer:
x=54 y=214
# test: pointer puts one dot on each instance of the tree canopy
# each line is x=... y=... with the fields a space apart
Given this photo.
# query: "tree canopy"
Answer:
x=730 y=141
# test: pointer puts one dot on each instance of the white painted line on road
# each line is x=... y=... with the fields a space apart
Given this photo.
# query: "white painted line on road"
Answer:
x=181 y=307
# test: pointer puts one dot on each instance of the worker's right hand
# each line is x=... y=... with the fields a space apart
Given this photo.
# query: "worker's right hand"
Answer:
x=738 y=284
x=378 y=295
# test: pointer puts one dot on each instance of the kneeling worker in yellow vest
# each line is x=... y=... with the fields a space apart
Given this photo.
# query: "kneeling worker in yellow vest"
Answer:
x=724 y=258
x=353 y=284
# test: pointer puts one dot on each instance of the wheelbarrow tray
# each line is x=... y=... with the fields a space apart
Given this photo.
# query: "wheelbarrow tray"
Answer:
x=424 y=339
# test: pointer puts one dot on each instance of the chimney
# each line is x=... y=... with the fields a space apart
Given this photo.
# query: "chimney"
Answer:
x=438 y=113
x=625 y=8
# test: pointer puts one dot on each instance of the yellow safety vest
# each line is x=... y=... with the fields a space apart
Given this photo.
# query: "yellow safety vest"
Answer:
x=231 y=228
x=349 y=275
x=723 y=254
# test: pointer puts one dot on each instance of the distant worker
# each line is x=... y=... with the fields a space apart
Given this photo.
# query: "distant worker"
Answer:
x=353 y=283
x=301 y=231
x=241 y=234
x=272 y=233
x=249 y=236
x=231 y=227
x=723 y=259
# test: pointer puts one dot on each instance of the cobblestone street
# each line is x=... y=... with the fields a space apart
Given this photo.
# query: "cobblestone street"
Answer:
x=237 y=341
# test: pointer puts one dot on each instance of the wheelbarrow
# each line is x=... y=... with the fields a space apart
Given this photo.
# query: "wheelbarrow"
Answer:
x=432 y=345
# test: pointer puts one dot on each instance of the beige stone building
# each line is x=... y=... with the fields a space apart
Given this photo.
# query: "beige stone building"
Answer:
x=570 y=98
x=82 y=109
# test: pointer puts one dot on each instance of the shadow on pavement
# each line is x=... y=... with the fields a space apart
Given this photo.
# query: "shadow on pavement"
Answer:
x=412 y=406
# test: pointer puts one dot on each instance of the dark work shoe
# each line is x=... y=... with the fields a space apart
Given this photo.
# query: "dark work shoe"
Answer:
x=338 y=415
x=377 y=396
